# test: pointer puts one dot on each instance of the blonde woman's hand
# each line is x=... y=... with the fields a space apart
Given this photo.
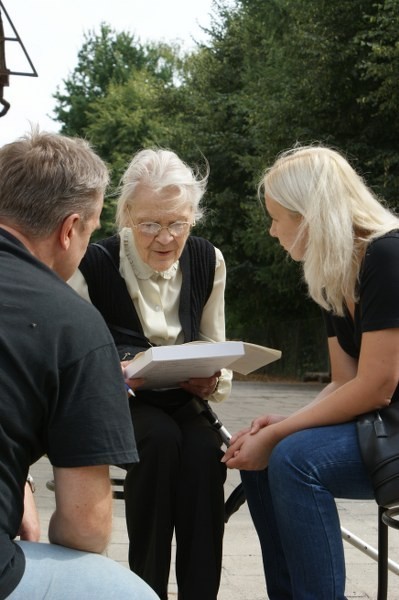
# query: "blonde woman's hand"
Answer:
x=257 y=424
x=251 y=452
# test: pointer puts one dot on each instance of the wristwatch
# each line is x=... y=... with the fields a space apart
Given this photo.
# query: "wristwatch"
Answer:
x=31 y=483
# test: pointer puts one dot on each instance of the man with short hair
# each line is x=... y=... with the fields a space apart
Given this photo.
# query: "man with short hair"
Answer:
x=62 y=389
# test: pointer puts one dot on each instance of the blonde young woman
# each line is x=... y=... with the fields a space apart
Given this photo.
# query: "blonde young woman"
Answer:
x=294 y=467
x=155 y=284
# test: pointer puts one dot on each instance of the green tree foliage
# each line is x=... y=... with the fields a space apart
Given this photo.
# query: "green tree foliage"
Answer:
x=262 y=282
x=272 y=73
x=278 y=72
x=116 y=98
x=379 y=69
x=105 y=58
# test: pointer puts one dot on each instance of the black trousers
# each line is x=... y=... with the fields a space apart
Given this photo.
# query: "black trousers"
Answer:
x=177 y=487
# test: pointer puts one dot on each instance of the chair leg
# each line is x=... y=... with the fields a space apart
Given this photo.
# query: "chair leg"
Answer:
x=382 y=557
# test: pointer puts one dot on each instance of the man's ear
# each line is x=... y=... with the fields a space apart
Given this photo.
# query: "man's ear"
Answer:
x=68 y=228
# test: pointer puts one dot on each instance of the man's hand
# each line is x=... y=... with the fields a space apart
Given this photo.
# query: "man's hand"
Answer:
x=30 y=526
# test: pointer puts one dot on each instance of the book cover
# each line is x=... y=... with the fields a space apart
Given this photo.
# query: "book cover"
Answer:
x=166 y=366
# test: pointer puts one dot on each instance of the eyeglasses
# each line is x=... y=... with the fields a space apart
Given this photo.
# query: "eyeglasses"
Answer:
x=150 y=229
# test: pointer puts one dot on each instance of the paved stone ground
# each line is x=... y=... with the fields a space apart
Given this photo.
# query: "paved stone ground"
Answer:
x=242 y=577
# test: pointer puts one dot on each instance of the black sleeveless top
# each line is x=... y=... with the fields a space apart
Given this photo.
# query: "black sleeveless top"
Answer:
x=108 y=291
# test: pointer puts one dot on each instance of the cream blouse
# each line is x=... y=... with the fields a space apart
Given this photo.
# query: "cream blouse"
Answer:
x=156 y=296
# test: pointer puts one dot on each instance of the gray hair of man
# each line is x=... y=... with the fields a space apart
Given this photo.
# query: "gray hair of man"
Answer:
x=162 y=172
x=45 y=177
x=341 y=215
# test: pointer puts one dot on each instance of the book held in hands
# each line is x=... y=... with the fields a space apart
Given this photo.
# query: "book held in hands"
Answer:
x=166 y=366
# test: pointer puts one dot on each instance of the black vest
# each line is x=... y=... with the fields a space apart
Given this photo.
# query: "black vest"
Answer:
x=108 y=291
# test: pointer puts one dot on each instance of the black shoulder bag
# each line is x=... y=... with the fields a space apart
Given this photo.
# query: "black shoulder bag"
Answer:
x=378 y=434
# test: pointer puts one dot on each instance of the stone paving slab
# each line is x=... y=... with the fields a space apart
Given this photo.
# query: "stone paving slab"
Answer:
x=242 y=576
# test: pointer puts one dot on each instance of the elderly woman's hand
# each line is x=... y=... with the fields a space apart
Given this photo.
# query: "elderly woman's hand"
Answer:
x=203 y=387
x=133 y=384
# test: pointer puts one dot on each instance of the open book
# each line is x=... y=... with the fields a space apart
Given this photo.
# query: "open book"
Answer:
x=166 y=366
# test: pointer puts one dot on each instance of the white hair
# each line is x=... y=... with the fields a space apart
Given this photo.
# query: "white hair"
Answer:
x=159 y=171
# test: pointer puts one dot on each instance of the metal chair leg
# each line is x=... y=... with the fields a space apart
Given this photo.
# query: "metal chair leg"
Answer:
x=382 y=557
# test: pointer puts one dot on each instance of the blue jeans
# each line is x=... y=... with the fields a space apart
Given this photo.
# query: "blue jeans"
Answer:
x=61 y=573
x=292 y=504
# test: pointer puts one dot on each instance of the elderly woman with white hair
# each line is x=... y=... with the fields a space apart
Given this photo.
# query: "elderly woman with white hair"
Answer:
x=155 y=284
x=324 y=216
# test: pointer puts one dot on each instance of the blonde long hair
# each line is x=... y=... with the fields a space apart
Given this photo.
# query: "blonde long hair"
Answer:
x=340 y=214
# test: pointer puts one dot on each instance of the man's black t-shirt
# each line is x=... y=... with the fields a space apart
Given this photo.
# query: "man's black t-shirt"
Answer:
x=61 y=388
x=378 y=291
